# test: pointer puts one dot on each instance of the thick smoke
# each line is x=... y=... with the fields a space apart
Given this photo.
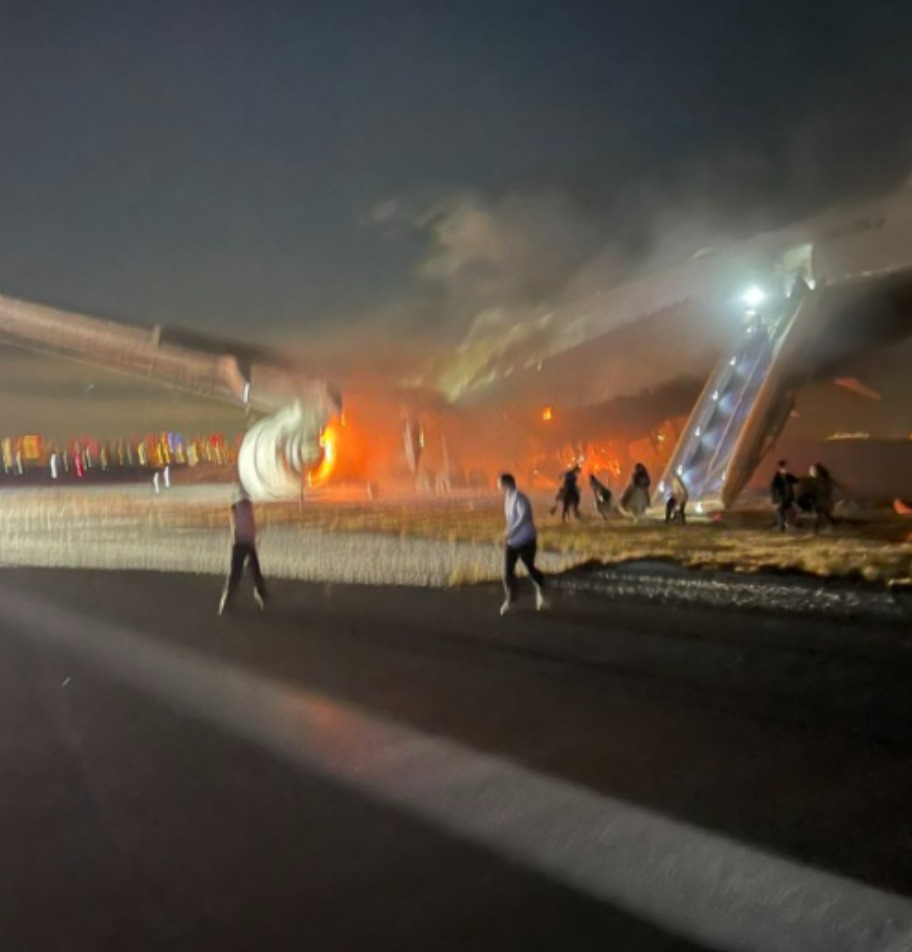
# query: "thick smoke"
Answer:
x=503 y=283
x=516 y=280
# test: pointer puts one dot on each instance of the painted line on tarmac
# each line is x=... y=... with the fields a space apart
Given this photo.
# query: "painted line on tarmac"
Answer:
x=687 y=880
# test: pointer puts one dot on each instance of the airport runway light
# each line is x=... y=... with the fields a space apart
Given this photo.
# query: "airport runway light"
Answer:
x=754 y=296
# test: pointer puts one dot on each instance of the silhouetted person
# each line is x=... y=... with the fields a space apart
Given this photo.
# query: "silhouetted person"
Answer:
x=520 y=542
x=676 y=500
x=569 y=494
x=243 y=552
x=636 y=497
x=782 y=493
x=602 y=496
x=823 y=502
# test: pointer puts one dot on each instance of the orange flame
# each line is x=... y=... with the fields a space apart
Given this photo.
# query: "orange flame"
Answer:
x=329 y=441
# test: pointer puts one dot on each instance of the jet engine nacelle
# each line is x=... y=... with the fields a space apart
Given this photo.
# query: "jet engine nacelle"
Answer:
x=279 y=451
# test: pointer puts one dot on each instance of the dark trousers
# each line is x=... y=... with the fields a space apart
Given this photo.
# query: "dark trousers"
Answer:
x=785 y=515
x=571 y=503
x=674 y=511
x=525 y=553
x=244 y=553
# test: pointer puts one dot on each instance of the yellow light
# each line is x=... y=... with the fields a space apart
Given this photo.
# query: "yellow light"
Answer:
x=547 y=414
x=329 y=441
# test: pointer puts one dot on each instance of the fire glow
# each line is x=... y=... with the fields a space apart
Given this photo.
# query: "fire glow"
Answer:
x=329 y=442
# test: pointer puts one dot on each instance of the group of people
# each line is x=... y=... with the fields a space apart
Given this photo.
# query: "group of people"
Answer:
x=814 y=494
x=520 y=540
x=635 y=500
x=789 y=494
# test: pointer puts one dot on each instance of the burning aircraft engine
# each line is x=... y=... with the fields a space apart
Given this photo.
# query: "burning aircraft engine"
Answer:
x=281 y=451
x=294 y=446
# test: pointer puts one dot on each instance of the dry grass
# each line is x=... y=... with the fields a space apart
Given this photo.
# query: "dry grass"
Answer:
x=869 y=550
x=857 y=550
x=872 y=551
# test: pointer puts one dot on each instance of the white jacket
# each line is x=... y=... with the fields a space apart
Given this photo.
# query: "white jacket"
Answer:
x=520 y=525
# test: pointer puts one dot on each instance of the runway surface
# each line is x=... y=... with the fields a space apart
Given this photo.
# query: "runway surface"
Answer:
x=366 y=768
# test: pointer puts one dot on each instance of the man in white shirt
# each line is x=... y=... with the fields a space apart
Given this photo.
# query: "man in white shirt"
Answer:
x=243 y=551
x=521 y=542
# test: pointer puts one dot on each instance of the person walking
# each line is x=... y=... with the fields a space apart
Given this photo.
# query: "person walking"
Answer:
x=520 y=542
x=782 y=493
x=676 y=500
x=823 y=492
x=570 y=493
x=636 y=498
x=243 y=552
x=602 y=496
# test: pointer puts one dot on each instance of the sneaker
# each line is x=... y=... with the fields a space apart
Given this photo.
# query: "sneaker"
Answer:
x=541 y=602
x=223 y=603
x=507 y=605
x=261 y=602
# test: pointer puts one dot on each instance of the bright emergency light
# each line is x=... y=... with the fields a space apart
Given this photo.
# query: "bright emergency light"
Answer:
x=754 y=296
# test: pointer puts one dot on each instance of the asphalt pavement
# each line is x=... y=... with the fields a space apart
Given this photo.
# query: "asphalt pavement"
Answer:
x=402 y=769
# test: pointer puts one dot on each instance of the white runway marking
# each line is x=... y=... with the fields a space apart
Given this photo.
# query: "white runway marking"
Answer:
x=691 y=882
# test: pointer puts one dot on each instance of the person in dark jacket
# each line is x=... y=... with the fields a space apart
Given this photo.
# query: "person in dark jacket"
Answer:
x=822 y=495
x=782 y=493
x=568 y=496
x=602 y=495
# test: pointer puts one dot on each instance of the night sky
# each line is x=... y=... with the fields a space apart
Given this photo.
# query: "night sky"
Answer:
x=352 y=174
